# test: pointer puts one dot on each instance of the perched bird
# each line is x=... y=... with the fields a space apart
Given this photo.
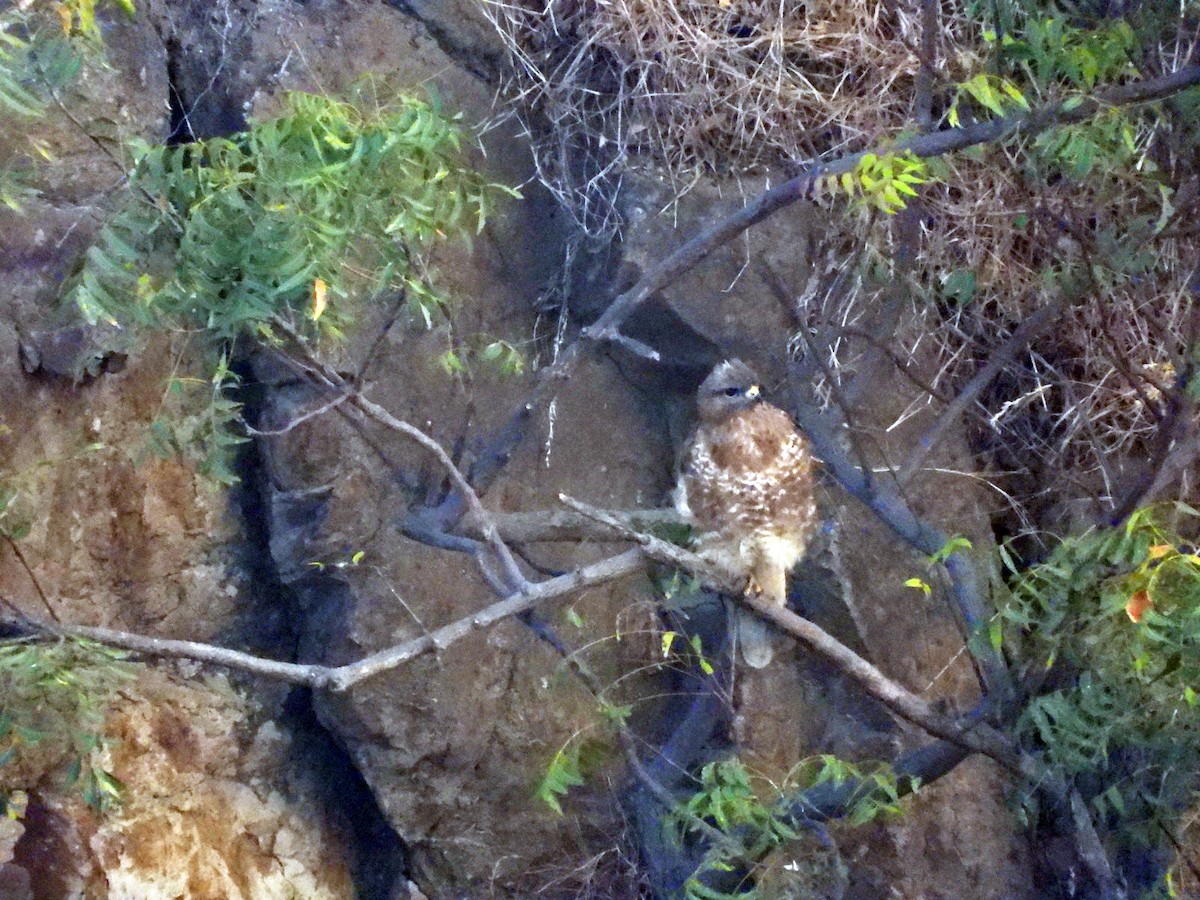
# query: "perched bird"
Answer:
x=746 y=482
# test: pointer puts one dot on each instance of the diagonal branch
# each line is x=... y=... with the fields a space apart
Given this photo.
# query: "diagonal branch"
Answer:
x=979 y=738
x=1016 y=342
x=614 y=567
x=535 y=526
x=695 y=250
x=1177 y=443
x=324 y=377
x=968 y=584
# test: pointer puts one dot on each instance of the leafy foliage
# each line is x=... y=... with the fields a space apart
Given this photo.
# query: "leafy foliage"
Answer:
x=42 y=48
x=14 y=514
x=997 y=95
x=1052 y=56
x=79 y=16
x=15 y=96
x=58 y=695
x=500 y=355
x=1050 y=51
x=568 y=769
x=238 y=230
x=194 y=422
x=1108 y=142
x=1108 y=629
x=727 y=800
x=881 y=181
x=292 y=221
x=17 y=488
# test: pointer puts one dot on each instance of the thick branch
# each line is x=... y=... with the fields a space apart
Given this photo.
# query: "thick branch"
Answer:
x=597 y=573
x=968 y=586
x=309 y=675
x=768 y=203
x=1091 y=850
x=567 y=525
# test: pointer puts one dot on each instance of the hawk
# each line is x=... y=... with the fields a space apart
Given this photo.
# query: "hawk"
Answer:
x=746 y=482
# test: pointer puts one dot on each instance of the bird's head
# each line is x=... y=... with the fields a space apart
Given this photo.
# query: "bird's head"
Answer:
x=730 y=387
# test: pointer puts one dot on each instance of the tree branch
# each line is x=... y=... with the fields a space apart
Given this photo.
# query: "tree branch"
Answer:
x=33 y=579
x=980 y=738
x=1178 y=439
x=695 y=250
x=626 y=563
x=923 y=107
x=1091 y=850
x=546 y=525
x=322 y=376
x=341 y=678
x=997 y=361
x=966 y=581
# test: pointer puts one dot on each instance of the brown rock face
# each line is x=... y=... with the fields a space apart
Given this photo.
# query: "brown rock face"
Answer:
x=451 y=745
x=206 y=812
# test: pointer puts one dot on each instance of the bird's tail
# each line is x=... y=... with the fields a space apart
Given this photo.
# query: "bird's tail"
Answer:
x=754 y=637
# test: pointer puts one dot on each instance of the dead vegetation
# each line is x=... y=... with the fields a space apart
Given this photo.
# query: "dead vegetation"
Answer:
x=703 y=86
x=722 y=88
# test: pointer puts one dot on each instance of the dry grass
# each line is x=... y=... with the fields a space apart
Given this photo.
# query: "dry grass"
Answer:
x=1092 y=388
x=704 y=86
x=698 y=88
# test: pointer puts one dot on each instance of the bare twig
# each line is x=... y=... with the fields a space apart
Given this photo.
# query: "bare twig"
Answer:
x=1091 y=851
x=298 y=420
x=33 y=579
x=389 y=322
x=901 y=364
x=325 y=377
x=996 y=362
x=636 y=347
x=1180 y=851
x=628 y=741
x=906 y=227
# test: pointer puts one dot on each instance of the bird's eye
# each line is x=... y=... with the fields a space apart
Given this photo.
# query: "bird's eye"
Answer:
x=731 y=391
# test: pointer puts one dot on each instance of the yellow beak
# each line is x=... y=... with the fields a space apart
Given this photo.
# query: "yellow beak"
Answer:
x=753 y=391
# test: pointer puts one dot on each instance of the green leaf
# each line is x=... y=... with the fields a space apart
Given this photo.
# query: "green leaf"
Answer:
x=562 y=774
x=919 y=585
x=960 y=286
x=948 y=549
x=668 y=639
x=996 y=633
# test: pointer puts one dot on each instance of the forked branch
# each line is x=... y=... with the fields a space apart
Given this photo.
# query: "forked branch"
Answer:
x=342 y=678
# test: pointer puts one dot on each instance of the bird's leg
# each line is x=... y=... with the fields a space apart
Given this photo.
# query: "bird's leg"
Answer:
x=768 y=580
